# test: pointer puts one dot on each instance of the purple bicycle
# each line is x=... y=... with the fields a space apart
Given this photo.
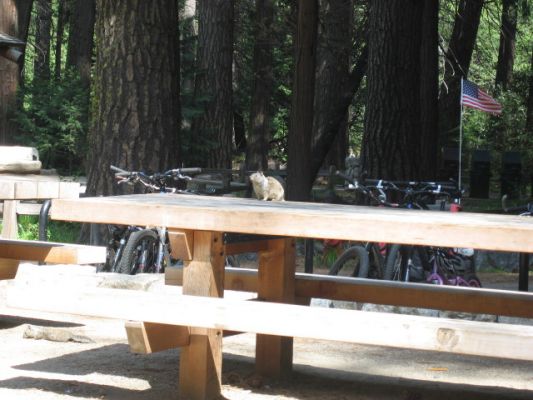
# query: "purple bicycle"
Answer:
x=449 y=266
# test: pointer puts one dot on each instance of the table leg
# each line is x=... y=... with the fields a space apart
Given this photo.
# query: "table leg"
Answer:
x=8 y=268
x=200 y=375
x=9 y=219
x=276 y=275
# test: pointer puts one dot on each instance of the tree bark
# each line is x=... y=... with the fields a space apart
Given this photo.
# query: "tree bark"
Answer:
x=333 y=69
x=299 y=175
x=43 y=23
x=14 y=21
x=429 y=91
x=61 y=17
x=213 y=131
x=391 y=143
x=263 y=86
x=458 y=56
x=80 y=41
x=529 y=117
x=136 y=109
x=506 y=53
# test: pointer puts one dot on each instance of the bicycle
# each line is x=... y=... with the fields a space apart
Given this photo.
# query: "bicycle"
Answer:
x=436 y=265
x=136 y=249
x=364 y=260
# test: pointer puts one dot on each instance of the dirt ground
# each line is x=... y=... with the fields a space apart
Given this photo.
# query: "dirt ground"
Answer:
x=96 y=364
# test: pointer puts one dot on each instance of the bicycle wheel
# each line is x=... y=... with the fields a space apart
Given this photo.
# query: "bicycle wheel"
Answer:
x=410 y=269
x=139 y=253
x=376 y=261
x=352 y=262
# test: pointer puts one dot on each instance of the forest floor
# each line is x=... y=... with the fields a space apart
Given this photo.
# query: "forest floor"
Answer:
x=97 y=364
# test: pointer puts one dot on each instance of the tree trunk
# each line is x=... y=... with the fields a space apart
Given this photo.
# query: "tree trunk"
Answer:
x=263 y=86
x=61 y=18
x=213 y=131
x=429 y=91
x=391 y=143
x=458 y=56
x=327 y=132
x=506 y=54
x=80 y=40
x=43 y=23
x=136 y=107
x=299 y=175
x=529 y=118
x=14 y=21
x=333 y=70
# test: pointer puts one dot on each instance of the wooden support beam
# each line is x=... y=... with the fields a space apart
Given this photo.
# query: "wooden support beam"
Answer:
x=246 y=247
x=146 y=337
x=273 y=354
x=201 y=361
x=8 y=268
x=372 y=328
x=57 y=253
x=450 y=298
x=181 y=244
x=9 y=219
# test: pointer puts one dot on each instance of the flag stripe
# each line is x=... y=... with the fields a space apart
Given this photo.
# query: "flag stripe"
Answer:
x=474 y=97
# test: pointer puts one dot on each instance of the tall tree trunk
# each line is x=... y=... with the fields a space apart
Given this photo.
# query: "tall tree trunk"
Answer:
x=61 y=18
x=299 y=175
x=506 y=54
x=429 y=91
x=333 y=69
x=14 y=21
x=80 y=40
x=326 y=133
x=458 y=56
x=213 y=131
x=263 y=86
x=136 y=110
x=391 y=143
x=43 y=24
x=529 y=117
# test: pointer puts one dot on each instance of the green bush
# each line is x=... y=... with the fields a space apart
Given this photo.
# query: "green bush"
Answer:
x=53 y=118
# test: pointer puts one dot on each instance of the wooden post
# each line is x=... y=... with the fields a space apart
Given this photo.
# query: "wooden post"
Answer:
x=276 y=275
x=9 y=219
x=8 y=268
x=201 y=362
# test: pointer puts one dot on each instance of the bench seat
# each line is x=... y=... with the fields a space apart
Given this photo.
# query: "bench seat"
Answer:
x=12 y=251
x=383 y=329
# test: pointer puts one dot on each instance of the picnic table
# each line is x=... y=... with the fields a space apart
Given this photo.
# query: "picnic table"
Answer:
x=197 y=319
x=25 y=194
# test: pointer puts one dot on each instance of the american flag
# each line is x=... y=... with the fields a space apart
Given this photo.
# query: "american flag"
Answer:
x=473 y=96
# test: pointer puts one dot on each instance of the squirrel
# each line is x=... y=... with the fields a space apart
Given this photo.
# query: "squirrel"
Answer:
x=267 y=187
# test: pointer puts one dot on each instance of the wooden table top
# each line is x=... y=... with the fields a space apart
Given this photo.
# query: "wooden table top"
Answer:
x=306 y=220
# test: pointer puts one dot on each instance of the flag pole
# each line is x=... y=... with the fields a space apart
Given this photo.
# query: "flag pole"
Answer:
x=460 y=137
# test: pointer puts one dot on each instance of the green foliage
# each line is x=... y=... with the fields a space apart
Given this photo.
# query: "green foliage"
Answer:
x=53 y=118
x=58 y=231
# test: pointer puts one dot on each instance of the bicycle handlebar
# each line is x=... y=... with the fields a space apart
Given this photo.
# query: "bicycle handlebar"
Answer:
x=155 y=181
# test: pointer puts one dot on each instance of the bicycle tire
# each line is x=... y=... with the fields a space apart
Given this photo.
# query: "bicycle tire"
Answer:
x=394 y=259
x=358 y=253
x=129 y=259
x=376 y=261
x=473 y=280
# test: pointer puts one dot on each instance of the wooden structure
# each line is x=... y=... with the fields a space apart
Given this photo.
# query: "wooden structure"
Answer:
x=13 y=251
x=21 y=194
x=197 y=318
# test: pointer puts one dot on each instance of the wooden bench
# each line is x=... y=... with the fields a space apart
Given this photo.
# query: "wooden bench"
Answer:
x=13 y=251
x=202 y=320
x=181 y=314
